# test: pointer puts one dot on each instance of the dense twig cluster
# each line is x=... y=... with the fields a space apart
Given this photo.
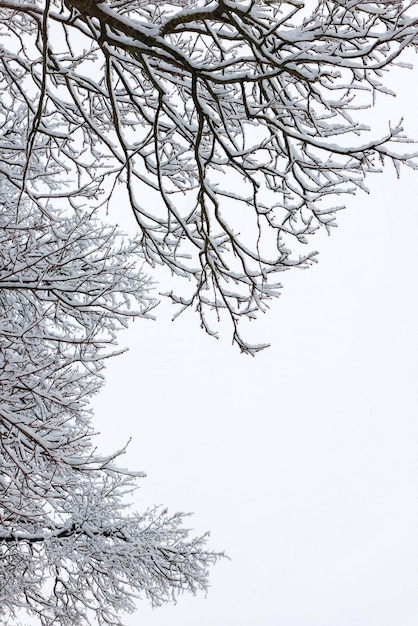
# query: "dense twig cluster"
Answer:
x=70 y=551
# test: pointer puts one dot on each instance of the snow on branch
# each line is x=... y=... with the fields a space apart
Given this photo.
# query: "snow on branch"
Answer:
x=234 y=127
x=70 y=550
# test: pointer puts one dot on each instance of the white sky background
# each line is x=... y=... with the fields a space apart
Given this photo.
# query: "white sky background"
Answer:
x=302 y=461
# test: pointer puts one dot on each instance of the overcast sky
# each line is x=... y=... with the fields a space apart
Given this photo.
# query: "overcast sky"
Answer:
x=302 y=461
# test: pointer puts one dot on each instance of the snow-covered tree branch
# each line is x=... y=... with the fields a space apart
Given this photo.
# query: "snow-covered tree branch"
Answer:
x=70 y=550
x=232 y=125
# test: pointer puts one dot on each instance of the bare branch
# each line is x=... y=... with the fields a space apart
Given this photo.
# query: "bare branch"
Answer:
x=234 y=126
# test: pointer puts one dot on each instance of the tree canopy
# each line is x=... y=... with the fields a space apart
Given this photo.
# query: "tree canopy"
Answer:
x=231 y=129
x=71 y=552
x=232 y=126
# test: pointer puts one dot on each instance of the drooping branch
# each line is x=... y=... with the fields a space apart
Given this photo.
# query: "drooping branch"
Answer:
x=233 y=127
